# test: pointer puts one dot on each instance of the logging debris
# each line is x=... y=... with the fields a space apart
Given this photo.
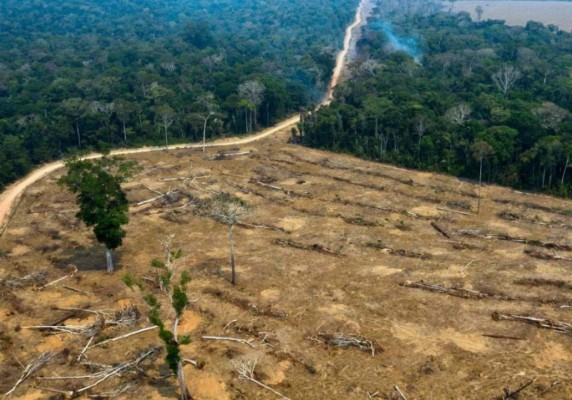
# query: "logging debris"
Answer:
x=544 y=256
x=558 y=326
x=34 y=279
x=544 y=282
x=312 y=247
x=440 y=230
x=510 y=395
x=457 y=291
x=509 y=238
x=527 y=205
x=344 y=340
x=398 y=252
x=246 y=304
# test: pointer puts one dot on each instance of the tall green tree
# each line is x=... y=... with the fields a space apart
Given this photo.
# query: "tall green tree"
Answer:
x=102 y=203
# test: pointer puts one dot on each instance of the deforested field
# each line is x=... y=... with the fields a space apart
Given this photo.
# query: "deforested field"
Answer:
x=520 y=12
x=354 y=279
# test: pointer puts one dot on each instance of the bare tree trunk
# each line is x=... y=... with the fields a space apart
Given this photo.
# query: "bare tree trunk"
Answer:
x=205 y=132
x=565 y=168
x=185 y=394
x=166 y=137
x=109 y=258
x=543 y=177
x=232 y=265
x=78 y=134
x=124 y=132
x=480 y=182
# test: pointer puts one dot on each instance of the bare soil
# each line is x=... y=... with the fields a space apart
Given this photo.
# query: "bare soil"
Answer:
x=343 y=238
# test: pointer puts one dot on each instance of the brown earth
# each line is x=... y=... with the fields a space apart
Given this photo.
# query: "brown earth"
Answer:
x=364 y=230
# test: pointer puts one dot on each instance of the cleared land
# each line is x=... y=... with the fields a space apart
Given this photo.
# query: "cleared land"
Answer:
x=520 y=12
x=336 y=249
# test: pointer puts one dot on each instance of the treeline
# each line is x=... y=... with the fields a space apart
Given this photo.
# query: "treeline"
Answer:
x=439 y=92
x=97 y=74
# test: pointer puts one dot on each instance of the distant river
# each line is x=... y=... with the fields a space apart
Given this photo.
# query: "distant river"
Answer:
x=520 y=12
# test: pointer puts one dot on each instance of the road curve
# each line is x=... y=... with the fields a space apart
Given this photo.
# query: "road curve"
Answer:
x=9 y=199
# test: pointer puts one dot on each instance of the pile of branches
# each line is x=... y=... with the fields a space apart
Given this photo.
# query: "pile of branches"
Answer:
x=544 y=256
x=313 y=247
x=527 y=205
x=457 y=291
x=506 y=237
x=345 y=341
x=245 y=304
x=398 y=252
x=34 y=279
x=558 y=326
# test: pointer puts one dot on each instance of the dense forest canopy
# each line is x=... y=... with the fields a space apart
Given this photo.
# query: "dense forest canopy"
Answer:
x=96 y=74
x=436 y=91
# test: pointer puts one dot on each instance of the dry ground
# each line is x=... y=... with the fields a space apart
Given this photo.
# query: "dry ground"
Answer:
x=366 y=232
x=516 y=12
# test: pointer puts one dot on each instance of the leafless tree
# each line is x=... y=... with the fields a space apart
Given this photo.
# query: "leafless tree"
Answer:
x=459 y=114
x=208 y=108
x=166 y=114
x=420 y=127
x=479 y=10
x=481 y=150
x=212 y=61
x=123 y=109
x=370 y=66
x=505 y=78
x=253 y=92
x=169 y=67
x=550 y=115
x=229 y=209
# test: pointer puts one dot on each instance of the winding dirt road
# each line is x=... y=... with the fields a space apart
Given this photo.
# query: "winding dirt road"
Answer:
x=9 y=199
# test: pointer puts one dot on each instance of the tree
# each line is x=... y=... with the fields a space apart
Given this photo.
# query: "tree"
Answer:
x=75 y=108
x=253 y=92
x=178 y=299
x=165 y=113
x=505 y=78
x=479 y=10
x=550 y=115
x=208 y=108
x=481 y=150
x=459 y=114
x=229 y=209
x=420 y=127
x=102 y=203
x=123 y=109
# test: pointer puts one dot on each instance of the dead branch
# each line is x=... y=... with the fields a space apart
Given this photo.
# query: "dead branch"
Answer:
x=400 y=392
x=33 y=279
x=314 y=247
x=151 y=200
x=349 y=340
x=231 y=339
x=59 y=279
x=440 y=230
x=84 y=330
x=457 y=292
x=508 y=395
x=453 y=211
x=224 y=156
x=149 y=328
x=245 y=369
x=398 y=252
x=558 y=326
x=544 y=256
x=262 y=226
x=127 y=316
x=494 y=336
x=32 y=367
x=506 y=237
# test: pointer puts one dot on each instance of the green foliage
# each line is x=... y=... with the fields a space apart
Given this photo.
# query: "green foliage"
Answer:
x=180 y=300
x=376 y=114
x=99 y=85
x=156 y=263
x=185 y=278
x=130 y=280
x=102 y=203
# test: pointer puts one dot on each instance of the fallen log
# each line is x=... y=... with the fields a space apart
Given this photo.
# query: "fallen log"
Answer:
x=440 y=230
x=398 y=252
x=456 y=291
x=509 y=238
x=453 y=211
x=544 y=256
x=348 y=340
x=490 y=335
x=313 y=247
x=558 y=326
x=508 y=395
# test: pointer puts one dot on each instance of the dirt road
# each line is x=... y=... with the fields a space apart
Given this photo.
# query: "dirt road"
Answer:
x=10 y=198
